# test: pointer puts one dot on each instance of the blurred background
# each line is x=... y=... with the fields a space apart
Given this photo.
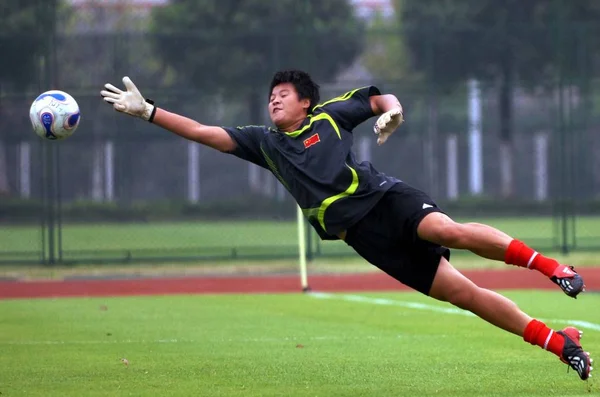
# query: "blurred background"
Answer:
x=501 y=102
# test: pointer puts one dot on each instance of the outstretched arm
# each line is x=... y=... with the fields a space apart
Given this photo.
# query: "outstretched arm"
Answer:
x=215 y=137
x=392 y=115
x=383 y=103
x=133 y=103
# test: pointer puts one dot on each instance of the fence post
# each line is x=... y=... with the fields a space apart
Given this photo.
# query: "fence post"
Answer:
x=51 y=207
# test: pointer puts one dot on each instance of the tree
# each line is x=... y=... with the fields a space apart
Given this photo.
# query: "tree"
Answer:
x=26 y=29
x=494 y=40
x=385 y=51
x=101 y=41
x=233 y=47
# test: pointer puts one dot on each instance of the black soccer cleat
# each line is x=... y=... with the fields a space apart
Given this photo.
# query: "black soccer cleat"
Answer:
x=573 y=353
x=568 y=280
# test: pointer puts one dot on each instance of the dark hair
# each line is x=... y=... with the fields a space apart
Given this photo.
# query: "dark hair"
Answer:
x=305 y=86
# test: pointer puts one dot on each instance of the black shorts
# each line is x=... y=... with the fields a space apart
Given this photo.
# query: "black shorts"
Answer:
x=387 y=237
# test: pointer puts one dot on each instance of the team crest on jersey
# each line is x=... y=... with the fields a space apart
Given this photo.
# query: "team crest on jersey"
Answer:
x=312 y=140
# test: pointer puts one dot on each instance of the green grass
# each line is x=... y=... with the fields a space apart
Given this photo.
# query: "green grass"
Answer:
x=181 y=235
x=155 y=236
x=178 y=235
x=236 y=243
x=352 y=264
x=279 y=345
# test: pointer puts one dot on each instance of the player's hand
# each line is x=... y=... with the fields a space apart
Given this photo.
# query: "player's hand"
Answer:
x=130 y=102
x=387 y=123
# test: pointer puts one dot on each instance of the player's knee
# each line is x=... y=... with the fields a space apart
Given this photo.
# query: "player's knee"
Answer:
x=453 y=234
x=462 y=297
x=448 y=233
x=440 y=229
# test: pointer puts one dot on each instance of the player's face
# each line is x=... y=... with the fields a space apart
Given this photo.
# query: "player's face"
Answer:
x=285 y=108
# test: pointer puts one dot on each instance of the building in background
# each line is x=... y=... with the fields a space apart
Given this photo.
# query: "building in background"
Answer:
x=111 y=15
x=369 y=8
x=364 y=8
x=144 y=4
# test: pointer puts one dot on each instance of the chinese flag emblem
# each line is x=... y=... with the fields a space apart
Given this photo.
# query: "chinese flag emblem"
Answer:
x=314 y=139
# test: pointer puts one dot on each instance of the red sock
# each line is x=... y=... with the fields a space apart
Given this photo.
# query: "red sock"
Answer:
x=519 y=254
x=537 y=333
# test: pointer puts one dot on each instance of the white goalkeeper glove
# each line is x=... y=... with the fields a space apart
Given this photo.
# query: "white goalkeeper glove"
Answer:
x=387 y=123
x=130 y=102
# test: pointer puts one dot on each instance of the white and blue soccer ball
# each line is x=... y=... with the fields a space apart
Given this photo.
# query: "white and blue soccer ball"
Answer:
x=54 y=115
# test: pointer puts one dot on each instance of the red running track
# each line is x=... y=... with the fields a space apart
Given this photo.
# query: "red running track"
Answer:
x=492 y=279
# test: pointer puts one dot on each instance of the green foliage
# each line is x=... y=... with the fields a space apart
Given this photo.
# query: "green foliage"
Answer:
x=26 y=30
x=99 y=43
x=385 y=51
x=453 y=40
x=235 y=46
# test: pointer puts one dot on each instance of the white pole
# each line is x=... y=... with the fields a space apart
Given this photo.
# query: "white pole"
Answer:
x=254 y=177
x=97 y=193
x=302 y=249
x=364 y=148
x=25 y=169
x=475 y=157
x=109 y=171
x=540 y=152
x=193 y=172
x=269 y=183
x=452 y=166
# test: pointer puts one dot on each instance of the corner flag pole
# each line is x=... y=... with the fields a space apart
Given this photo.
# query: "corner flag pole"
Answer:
x=302 y=250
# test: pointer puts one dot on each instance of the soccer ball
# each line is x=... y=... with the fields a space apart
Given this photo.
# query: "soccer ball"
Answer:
x=54 y=115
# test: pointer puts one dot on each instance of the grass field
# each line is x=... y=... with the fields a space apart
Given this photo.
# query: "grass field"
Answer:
x=245 y=236
x=236 y=243
x=281 y=345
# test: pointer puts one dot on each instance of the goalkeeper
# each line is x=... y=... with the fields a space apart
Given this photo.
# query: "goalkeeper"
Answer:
x=392 y=225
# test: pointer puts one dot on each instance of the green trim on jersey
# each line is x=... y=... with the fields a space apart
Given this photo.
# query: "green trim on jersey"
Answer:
x=322 y=116
x=316 y=161
x=241 y=127
x=343 y=97
x=319 y=212
x=273 y=168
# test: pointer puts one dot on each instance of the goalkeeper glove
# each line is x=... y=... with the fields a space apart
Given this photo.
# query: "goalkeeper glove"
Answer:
x=130 y=102
x=387 y=123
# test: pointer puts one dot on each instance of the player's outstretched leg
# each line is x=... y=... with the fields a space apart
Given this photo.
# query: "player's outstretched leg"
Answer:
x=573 y=354
x=492 y=243
x=451 y=286
x=565 y=344
x=565 y=277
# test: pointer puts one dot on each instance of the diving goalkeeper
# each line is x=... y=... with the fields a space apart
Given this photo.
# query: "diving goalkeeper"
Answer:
x=392 y=225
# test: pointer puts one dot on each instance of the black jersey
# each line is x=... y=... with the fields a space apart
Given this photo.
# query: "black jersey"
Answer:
x=316 y=165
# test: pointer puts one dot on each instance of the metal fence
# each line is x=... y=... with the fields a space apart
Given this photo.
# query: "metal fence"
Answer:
x=122 y=190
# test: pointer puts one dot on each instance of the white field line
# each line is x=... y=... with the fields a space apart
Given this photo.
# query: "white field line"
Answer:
x=318 y=295
x=224 y=340
x=433 y=308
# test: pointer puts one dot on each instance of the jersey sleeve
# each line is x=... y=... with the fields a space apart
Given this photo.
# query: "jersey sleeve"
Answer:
x=248 y=141
x=352 y=108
